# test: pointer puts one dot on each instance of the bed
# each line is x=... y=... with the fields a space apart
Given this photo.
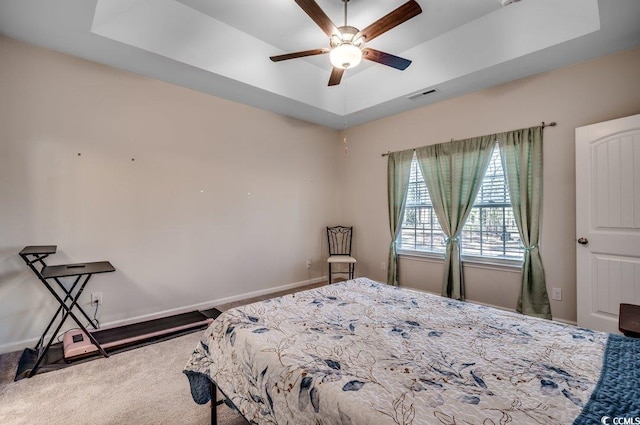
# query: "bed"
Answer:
x=362 y=352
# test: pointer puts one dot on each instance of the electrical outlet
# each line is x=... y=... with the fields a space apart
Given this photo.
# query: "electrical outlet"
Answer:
x=383 y=266
x=96 y=298
x=308 y=263
x=556 y=294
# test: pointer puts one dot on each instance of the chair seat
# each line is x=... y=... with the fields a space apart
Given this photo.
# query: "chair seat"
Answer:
x=341 y=259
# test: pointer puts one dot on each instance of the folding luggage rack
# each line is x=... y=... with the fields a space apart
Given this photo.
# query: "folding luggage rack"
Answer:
x=83 y=343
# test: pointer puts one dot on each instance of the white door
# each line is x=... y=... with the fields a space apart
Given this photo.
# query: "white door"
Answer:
x=607 y=220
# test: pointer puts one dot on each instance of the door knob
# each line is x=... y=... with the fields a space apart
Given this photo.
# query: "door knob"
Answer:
x=583 y=241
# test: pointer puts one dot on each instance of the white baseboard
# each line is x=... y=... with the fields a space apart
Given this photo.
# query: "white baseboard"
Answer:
x=566 y=322
x=18 y=345
x=31 y=342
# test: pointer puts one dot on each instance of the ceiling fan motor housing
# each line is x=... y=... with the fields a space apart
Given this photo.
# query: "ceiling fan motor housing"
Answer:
x=346 y=35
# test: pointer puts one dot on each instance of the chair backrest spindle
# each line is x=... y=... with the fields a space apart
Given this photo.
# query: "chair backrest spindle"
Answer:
x=339 y=238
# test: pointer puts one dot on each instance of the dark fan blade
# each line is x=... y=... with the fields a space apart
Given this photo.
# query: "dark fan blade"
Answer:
x=287 y=56
x=391 y=20
x=385 y=58
x=336 y=76
x=319 y=17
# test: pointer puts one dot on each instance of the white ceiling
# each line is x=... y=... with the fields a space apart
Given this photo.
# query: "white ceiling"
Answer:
x=223 y=47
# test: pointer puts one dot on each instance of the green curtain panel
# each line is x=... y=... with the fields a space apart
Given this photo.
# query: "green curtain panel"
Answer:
x=453 y=174
x=521 y=153
x=398 y=170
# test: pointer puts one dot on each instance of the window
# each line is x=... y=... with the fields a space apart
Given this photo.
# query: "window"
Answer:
x=490 y=231
x=420 y=228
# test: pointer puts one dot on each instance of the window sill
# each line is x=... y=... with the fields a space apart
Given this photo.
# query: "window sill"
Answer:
x=474 y=262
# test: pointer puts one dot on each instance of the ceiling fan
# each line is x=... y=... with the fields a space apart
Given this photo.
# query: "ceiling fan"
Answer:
x=346 y=42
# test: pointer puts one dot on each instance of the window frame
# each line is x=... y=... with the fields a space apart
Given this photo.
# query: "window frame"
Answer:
x=475 y=260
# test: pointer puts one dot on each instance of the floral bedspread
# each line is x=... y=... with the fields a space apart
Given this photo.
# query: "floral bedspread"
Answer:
x=360 y=352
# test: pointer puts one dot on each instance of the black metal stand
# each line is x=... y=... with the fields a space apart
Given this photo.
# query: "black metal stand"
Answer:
x=33 y=255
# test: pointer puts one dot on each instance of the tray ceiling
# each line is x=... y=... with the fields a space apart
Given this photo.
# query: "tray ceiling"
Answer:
x=223 y=47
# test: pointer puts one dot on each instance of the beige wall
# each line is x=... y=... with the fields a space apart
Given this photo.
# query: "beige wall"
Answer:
x=222 y=199
x=586 y=93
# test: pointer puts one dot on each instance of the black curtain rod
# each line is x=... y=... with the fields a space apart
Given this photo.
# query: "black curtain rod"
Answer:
x=551 y=124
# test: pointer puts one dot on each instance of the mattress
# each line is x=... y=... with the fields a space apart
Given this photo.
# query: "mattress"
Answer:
x=362 y=352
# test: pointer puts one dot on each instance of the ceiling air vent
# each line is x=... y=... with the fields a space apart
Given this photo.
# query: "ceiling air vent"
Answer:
x=422 y=94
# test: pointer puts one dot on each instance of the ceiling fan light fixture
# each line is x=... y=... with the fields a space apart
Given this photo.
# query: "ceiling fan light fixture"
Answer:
x=346 y=55
x=347 y=44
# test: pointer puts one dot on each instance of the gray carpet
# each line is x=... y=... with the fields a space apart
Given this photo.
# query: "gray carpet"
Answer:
x=144 y=386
